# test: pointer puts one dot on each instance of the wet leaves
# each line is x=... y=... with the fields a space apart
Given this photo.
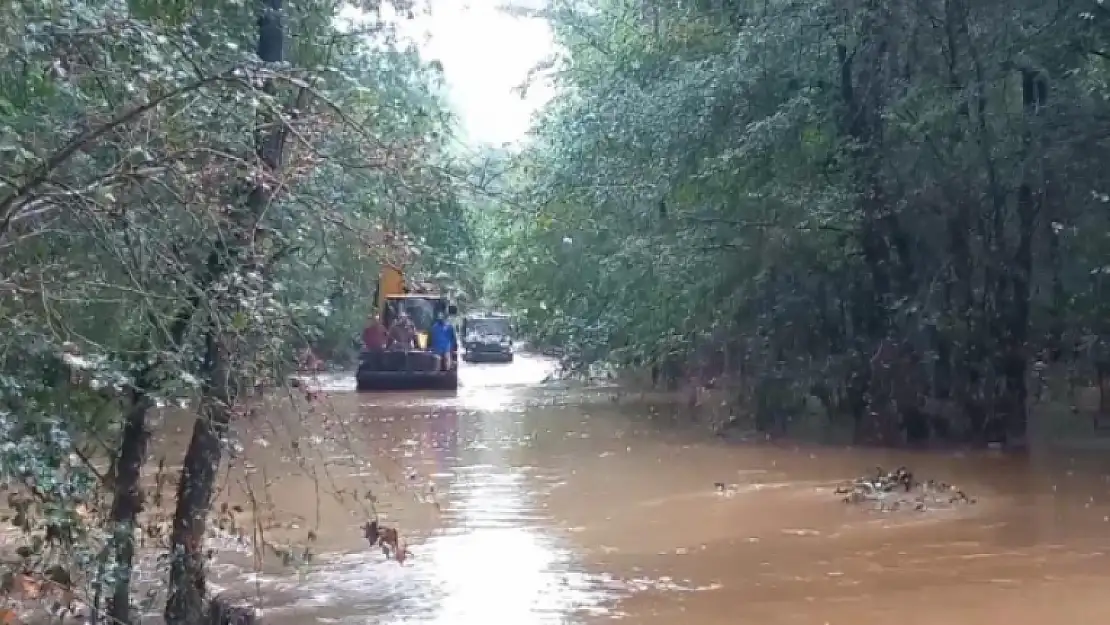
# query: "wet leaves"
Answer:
x=54 y=588
x=726 y=490
x=899 y=490
x=881 y=481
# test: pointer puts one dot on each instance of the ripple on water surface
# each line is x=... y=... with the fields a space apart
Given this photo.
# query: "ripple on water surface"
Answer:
x=494 y=560
x=541 y=491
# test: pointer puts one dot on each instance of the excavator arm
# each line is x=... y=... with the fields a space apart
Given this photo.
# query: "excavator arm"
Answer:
x=391 y=282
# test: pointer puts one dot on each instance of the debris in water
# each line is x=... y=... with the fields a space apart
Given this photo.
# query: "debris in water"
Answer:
x=388 y=539
x=725 y=490
x=370 y=531
x=895 y=490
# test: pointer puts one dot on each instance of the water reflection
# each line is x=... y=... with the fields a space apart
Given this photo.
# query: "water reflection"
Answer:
x=493 y=559
x=496 y=561
x=497 y=564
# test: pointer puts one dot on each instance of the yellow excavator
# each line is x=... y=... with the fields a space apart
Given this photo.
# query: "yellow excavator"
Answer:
x=405 y=369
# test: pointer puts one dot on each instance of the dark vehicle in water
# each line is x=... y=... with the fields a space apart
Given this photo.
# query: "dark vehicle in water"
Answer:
x=487 y=338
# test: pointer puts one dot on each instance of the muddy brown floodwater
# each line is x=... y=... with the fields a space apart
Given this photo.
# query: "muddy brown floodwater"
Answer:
x=556 y=506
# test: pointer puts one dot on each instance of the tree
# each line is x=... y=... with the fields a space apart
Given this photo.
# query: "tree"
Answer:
x=827 y=190
x=154 y=251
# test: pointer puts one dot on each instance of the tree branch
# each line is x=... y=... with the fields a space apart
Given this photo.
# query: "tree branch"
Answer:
x=10 y=205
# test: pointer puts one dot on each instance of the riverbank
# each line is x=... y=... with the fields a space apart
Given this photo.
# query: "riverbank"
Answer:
x=299 y=478
x=1058 y=419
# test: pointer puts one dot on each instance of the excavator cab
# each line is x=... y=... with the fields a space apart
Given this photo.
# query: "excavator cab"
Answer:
x=405 y=369
x=420 y=309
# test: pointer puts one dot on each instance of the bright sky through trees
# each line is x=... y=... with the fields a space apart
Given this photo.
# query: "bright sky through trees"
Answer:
x=485 y=53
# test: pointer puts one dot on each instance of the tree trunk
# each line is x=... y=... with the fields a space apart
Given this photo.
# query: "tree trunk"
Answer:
x=126 y=471
x=1016 y=323
x=127 y=502
x=187 y=601
x=186 y=604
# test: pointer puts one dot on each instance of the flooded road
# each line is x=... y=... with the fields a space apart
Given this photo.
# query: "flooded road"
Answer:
x=531 y=503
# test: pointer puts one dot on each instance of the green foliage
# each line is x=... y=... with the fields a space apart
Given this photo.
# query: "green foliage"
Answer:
x=789 y=184
x=131 y=241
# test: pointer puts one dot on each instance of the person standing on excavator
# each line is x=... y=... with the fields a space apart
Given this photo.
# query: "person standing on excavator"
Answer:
x=444 y=342
x=402 y=334
x=374 y=337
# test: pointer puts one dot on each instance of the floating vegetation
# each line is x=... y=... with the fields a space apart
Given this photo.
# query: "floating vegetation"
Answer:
x=900 y=490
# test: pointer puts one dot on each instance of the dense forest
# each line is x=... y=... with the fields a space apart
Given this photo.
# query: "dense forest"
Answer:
x=897 y=209
x=190 y=192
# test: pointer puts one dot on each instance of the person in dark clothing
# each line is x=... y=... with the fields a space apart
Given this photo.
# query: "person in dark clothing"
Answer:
x=374 y=337
x=402 y=334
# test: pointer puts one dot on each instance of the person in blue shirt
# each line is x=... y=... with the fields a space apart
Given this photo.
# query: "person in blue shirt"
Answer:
x=443 y=341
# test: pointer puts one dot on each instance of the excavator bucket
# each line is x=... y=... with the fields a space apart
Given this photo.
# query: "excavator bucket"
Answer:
x=403 y=371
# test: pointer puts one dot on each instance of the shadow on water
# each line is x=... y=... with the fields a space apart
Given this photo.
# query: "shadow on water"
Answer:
x=553 y=508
